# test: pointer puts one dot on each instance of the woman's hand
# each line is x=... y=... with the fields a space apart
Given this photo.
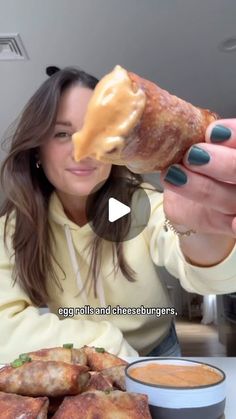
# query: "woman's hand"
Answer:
x=200 y=194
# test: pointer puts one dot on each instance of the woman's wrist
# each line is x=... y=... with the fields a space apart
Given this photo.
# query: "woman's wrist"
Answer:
x=206 y=250
x=179 y=230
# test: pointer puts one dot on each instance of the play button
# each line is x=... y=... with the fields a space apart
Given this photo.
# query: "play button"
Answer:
x=116 y=210
x=119 y=212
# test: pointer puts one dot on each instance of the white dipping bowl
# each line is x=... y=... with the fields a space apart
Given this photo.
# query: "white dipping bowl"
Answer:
x=166 y=402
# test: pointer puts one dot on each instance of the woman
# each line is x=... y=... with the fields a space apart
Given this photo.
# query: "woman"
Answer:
x=50 y=256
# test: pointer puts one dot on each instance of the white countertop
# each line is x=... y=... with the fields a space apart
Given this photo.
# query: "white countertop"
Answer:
x=228 y=365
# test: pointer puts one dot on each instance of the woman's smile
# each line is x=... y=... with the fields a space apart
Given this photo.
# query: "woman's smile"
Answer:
x=82 y=171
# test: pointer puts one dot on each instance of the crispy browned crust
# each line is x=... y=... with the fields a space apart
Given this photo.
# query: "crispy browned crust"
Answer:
x=98 y=361
x=168 y=127
x=71 y=356
x=13 y=406
x=44 y=378
x=102 y=405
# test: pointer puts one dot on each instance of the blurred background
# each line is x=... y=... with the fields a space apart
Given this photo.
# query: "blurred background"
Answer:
x=187 y=47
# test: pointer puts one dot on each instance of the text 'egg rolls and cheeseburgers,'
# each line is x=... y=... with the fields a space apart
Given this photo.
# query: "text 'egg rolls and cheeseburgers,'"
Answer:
x=131 y=121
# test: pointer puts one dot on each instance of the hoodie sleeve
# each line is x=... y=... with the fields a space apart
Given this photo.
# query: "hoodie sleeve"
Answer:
x=165 y=251
x=23 y=329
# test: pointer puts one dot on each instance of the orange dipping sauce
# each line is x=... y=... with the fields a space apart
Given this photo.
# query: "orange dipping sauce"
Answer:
x=172 y=375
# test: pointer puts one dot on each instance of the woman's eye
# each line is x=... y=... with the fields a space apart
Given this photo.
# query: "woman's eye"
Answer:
x=62 y=135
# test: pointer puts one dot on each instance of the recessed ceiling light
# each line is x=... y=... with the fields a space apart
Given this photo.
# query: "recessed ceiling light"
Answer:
x=228 y=45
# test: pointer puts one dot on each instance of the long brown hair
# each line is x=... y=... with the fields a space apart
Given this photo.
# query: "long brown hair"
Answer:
x=27 y=192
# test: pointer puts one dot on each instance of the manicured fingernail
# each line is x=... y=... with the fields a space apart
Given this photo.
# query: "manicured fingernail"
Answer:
x=176 y=176
x=198 y=156
x=220 y=133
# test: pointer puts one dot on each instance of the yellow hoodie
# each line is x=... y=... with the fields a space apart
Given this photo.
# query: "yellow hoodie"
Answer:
x=23 y=329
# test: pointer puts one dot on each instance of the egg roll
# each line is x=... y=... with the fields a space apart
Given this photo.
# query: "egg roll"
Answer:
x=116 y=376
x=105 y=405
x=13 y=406
x=98 y=359
x=69 y=355
x=98 y=382
x=44 y=378
x=133 y=122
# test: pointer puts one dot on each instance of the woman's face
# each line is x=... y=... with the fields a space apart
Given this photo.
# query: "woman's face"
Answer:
x=71 y=178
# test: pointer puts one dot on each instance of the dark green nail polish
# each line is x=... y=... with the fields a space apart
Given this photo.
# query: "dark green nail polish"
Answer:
x=220 y=133
x=198 y=156
x=176 y=176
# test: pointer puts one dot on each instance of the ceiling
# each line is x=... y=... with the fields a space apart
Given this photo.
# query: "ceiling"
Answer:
x=172 y=42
